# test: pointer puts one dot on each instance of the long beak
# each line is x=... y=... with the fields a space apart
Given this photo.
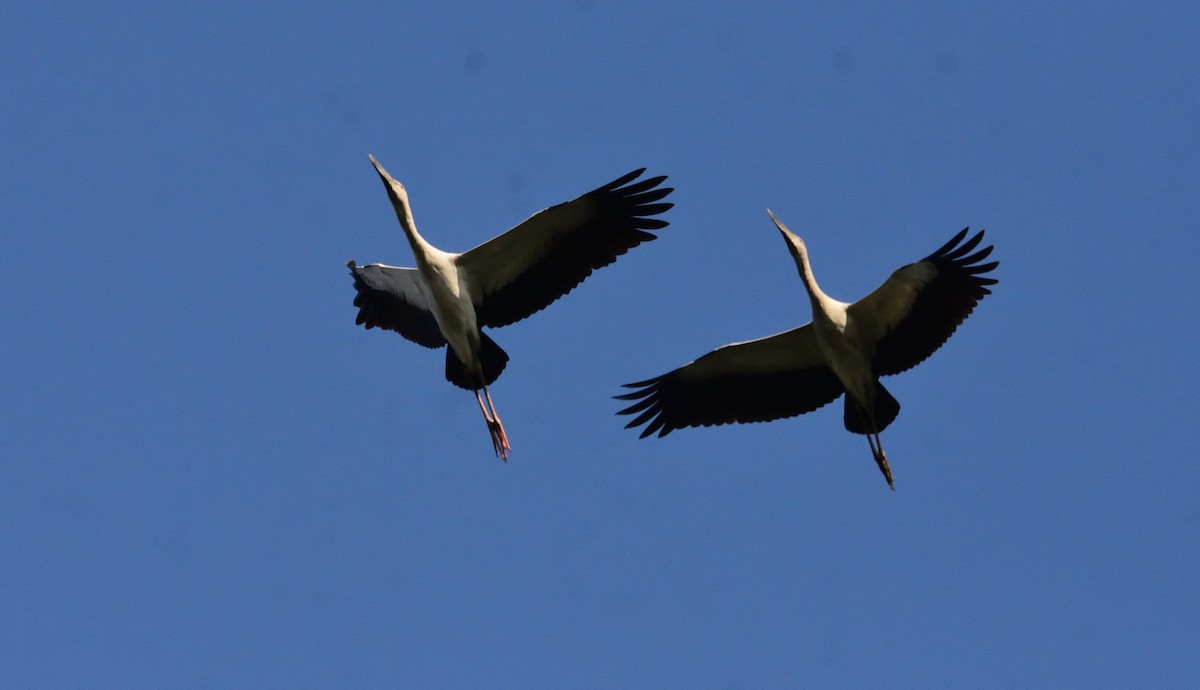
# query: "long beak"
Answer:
x=395 y=190
x=379 y=169
x=788 y=236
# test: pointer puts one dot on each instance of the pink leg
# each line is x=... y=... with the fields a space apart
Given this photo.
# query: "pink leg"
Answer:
x=495 y=428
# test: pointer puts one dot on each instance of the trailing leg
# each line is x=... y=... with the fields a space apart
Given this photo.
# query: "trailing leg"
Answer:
x=495 y=428
x=499 y=438
x=876 y=444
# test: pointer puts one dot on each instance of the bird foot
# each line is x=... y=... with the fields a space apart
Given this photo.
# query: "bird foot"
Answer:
x=881 y=460
x=499 y=439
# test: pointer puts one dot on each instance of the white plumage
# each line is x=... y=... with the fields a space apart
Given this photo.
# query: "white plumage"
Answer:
x=448 y=298
x=845 y=349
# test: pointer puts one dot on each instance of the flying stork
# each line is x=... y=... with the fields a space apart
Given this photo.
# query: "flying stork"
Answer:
x=845 y=349
x=449 y=297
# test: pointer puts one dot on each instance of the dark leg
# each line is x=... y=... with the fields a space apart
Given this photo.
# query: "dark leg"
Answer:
x=876 y=444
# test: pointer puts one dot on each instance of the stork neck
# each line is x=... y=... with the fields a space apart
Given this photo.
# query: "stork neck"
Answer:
x=806 y=276
x=404 y=214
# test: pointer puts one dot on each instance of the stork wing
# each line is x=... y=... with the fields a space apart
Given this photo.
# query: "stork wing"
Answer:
x=920 y=305
x=545 y=257
x=779 y=376
x=395 y=299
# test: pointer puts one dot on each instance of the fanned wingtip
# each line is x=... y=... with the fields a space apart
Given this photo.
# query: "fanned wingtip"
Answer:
x=642 y=384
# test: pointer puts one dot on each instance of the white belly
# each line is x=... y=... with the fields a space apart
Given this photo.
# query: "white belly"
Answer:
x=453 y=310
x=850 y=363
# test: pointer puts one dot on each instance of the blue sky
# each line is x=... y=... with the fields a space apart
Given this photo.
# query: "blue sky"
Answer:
x=212 y=478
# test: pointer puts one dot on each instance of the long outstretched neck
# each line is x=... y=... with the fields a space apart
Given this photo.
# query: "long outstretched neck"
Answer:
x=398 y=195
x=800 y=254
x=404 y=214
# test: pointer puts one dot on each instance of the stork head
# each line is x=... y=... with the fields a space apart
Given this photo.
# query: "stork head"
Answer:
x=800 y=256
x=395 y=190
x=794 y=243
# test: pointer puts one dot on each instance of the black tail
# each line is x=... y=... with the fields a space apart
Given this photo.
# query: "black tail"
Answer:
x=886 y=409
x=491 y=358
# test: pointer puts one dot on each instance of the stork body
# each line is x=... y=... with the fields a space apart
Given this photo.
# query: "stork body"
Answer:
x=845 y=343
x=448 y=298
x=845 y=349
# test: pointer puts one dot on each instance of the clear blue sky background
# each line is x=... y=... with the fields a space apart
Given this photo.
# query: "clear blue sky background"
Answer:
x=212 y=478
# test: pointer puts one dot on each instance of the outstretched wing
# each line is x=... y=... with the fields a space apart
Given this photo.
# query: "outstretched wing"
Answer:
x=395 y=299
x=920 y=305
x=545 y=257
x=771 y=378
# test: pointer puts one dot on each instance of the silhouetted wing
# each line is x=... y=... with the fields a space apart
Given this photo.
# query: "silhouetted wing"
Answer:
x=545 y=257
x=920 y=305
x=779 y=376
x=395 y=299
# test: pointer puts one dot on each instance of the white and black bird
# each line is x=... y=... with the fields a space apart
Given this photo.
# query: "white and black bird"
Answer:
x=448 y=298
x=845 y=349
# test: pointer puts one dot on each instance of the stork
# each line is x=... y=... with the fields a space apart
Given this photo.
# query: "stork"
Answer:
x=448 y=298
x=844 y=349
